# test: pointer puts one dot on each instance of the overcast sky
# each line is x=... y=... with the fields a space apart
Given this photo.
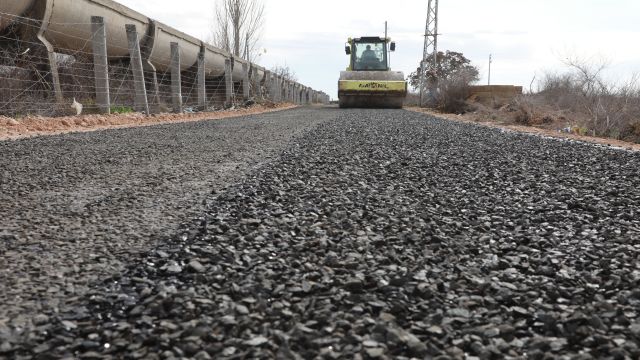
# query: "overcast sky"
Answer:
x=526 y=37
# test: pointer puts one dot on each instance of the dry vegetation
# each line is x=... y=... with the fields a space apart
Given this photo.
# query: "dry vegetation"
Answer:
x=578 y=101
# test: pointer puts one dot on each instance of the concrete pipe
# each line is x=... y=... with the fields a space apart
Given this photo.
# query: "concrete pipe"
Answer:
x=261 y=73
x=10 y=9
x=214 y=60
x=160 y=52
x=238 y=74
x=67 y=24
x=66 y=28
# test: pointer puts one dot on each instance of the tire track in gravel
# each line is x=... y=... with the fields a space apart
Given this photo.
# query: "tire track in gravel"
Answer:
x=73 y=207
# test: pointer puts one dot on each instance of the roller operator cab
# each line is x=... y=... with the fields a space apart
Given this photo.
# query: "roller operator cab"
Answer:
x=369 y=82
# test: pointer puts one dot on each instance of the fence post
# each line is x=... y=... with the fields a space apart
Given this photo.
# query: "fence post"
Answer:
x=294 y=90
x=283 y=90
x=258 y=83
x=274 y=88
x=294 y=93
x=286 y=93
x=228 y=78
x=279 y=83
x=245 y=81
x=202 y=90
x=290 y=91
x=176 y=78
x=141 y=103
x=100 y=65
x=267 y=84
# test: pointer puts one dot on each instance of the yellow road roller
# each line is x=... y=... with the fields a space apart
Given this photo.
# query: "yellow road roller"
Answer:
x=369 y=82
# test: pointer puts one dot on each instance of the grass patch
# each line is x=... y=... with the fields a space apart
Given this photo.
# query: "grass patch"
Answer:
x=121 y=110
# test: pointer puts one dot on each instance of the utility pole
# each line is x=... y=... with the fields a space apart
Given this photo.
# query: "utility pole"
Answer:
x=386 y=44
x=385 y=31
x=430 y=48
x=490 y=61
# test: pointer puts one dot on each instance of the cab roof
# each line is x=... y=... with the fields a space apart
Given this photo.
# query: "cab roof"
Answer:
x=371 y=39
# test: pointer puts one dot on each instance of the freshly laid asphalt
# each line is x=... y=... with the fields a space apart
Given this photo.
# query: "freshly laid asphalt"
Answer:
x=318 y=233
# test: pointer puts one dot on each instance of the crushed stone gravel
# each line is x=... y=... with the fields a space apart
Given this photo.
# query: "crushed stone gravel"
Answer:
x=74 y=207
x=384 y=234
x=31 y=126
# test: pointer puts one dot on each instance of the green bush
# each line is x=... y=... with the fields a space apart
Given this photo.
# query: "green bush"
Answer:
x=121 y=110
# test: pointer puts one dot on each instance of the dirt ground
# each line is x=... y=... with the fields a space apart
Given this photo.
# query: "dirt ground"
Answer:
x=39 y=126
x=541 y=130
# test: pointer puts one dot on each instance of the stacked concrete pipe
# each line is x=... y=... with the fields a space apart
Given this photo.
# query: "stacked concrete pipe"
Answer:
x=65 y=27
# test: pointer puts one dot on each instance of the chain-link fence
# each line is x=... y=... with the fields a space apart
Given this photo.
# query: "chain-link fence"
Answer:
x=44 y=73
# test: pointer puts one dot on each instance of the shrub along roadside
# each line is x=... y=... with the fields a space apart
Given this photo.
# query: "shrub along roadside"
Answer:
x=448 y=80
x=578 y=100
x=602 y=108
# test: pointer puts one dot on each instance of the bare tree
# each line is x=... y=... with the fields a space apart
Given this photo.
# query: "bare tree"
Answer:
x=610 y=109
x=285 y=72
x=238 y=27
x=588 y=74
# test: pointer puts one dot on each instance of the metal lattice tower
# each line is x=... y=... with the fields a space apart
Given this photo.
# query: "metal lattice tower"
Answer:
x=430 y=46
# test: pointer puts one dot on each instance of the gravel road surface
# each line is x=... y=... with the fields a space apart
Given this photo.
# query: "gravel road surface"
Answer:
x=378 y=234
x=73 y=206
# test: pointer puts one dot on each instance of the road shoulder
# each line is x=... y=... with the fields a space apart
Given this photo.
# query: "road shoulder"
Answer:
x=532 y=130
x=32 y=126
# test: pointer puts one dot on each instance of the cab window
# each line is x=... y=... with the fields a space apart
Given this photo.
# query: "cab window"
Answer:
x=370 y=56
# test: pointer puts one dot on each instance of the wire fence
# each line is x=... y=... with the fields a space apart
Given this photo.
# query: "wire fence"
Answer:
x=29 y=82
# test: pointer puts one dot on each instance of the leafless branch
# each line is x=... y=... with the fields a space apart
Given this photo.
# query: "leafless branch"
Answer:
x=285 y=72
x=609 y=108
x=238 y=27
